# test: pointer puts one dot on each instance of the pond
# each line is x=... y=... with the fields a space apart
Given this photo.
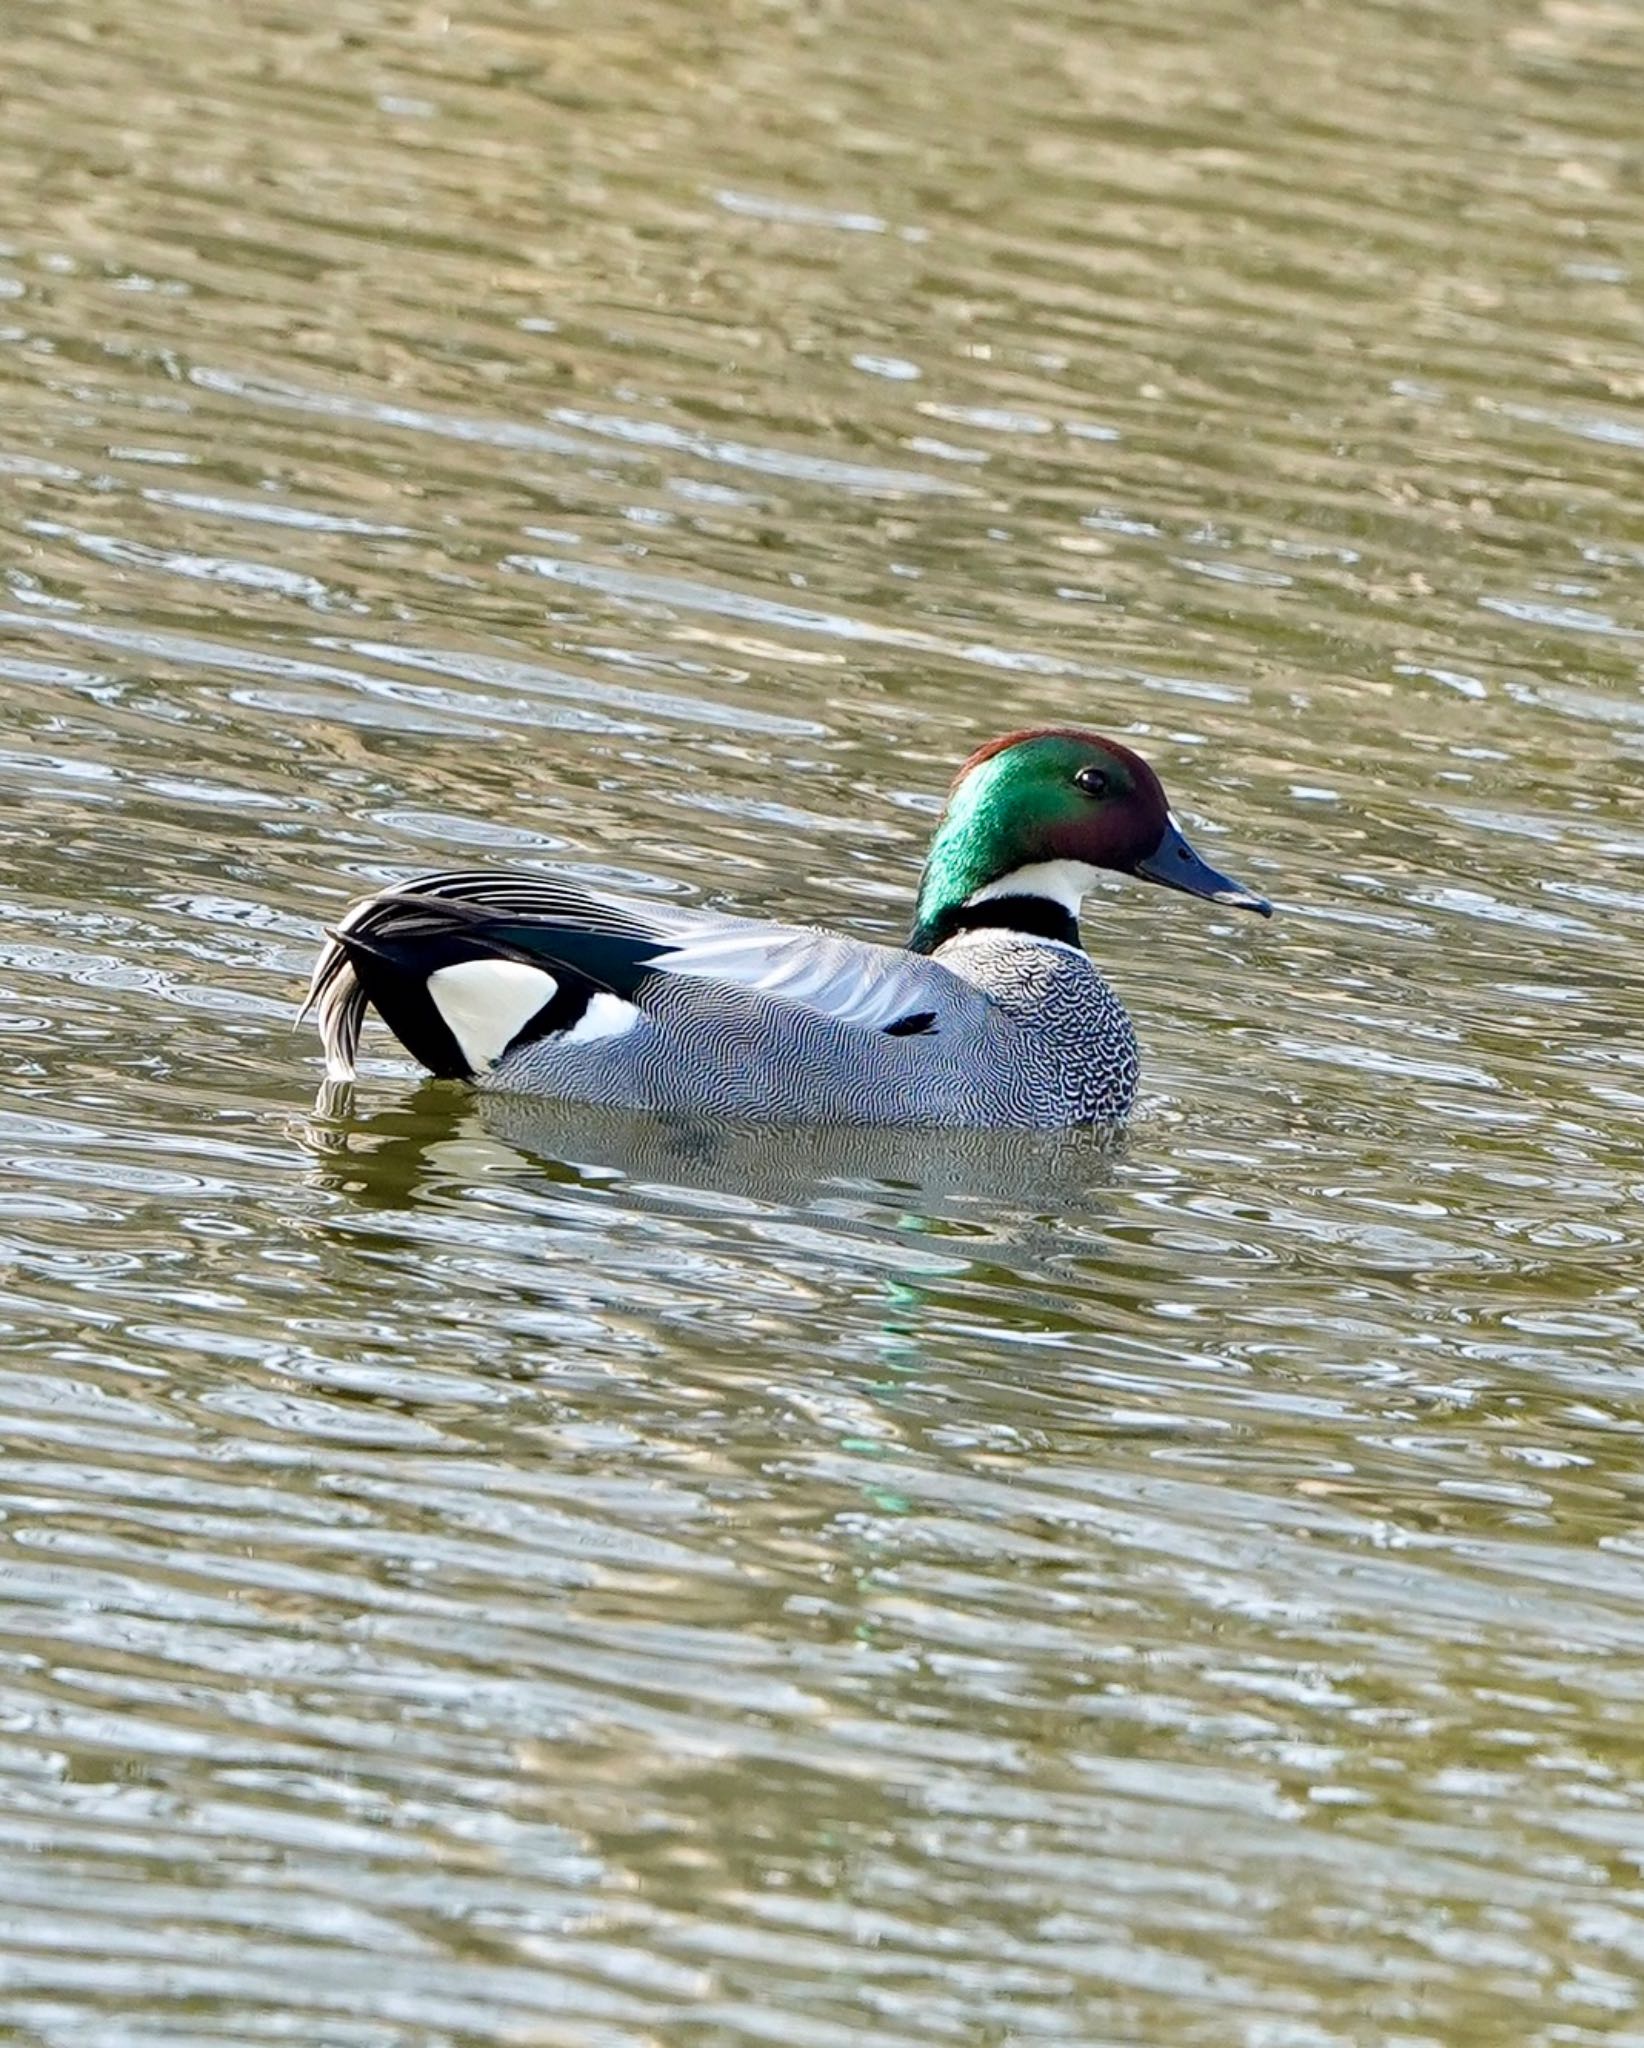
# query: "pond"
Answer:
x=485 y=1572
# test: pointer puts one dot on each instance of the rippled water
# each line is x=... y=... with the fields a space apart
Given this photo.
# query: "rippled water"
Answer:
x=498 y=1574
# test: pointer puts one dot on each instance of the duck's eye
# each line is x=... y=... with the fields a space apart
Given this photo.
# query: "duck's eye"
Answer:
x=1093 y=781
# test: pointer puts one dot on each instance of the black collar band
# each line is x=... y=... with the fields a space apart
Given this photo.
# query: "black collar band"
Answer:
x=1035 y=917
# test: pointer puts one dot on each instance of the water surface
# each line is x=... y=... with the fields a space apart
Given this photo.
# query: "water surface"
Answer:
x=482 y=1573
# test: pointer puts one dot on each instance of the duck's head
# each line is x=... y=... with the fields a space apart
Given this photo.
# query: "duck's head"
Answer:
x=1029 y=821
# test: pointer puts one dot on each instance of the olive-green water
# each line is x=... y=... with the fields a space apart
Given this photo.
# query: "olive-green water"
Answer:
x=497 y=1576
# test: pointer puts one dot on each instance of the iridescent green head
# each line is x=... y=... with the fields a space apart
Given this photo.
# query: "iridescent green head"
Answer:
x=1030 y=819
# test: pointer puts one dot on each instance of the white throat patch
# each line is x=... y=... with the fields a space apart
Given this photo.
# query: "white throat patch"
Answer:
x=1062 y=882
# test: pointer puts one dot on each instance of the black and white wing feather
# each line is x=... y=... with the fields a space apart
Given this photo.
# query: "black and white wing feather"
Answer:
x=467 y=965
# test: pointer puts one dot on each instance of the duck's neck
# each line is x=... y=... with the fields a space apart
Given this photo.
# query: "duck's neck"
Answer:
x=1040 y=900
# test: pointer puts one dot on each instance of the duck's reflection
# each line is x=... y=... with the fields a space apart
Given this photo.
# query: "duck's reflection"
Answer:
x=386 y=1157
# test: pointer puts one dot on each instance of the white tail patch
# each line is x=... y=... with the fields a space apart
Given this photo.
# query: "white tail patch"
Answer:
x=485 y=1004
x=606 y=1016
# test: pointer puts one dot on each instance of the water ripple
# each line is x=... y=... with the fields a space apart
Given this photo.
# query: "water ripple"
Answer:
x=478 y=1571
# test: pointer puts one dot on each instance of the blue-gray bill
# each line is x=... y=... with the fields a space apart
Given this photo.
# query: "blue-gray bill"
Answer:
x=1174 y=863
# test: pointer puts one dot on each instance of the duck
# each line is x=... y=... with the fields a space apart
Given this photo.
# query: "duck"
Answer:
x=990 y=1015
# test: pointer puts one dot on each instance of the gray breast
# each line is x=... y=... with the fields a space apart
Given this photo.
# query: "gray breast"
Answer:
x=1075 y=1057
